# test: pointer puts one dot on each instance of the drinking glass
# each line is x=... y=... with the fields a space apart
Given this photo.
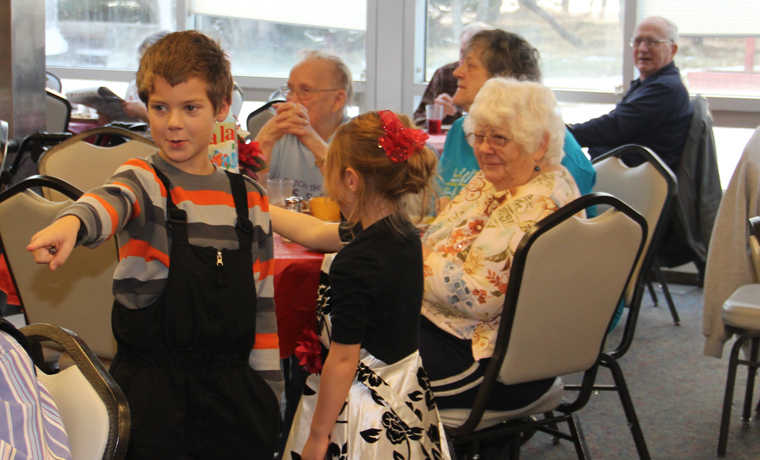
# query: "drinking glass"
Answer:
x=434 y=115
x=279 y=189
x=274 y=189
x=286 y=187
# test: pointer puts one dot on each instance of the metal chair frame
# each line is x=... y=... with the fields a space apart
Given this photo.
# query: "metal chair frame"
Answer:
x=609 y=358
x=95 y=373
x=251 y=116
x=466 y=434
x=742 y=337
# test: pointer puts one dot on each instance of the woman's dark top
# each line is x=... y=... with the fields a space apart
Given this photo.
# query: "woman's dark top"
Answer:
x=376 y=283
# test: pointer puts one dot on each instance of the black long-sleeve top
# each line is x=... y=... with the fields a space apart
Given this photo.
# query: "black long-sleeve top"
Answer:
x=376 y=286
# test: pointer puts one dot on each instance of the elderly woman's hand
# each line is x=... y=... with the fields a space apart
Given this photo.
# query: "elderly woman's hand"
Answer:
x=448 y=104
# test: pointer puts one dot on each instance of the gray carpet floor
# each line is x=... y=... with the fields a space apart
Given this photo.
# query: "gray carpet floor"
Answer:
x=677 y=392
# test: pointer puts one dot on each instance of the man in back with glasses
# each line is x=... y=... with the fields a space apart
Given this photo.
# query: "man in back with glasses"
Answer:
x=294 y=141
x=656 y=111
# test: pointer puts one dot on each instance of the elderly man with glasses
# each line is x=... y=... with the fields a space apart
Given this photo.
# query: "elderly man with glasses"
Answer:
x=656 y=111
x=294 y=141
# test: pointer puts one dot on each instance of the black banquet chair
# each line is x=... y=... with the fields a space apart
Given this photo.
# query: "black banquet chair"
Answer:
x=546 y=333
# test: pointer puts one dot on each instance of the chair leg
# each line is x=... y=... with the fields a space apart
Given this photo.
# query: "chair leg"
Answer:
x=729 y=395
x=474 y=453
x=653 y=294
x=751 y=371
x=630 y=412
x=579 y=440
x=514 y=448
x=553 y=426
x=700 y=264
x=661 y=279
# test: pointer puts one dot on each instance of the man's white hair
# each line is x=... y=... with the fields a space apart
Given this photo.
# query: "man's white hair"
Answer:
x=342 y=73
x=671 y=29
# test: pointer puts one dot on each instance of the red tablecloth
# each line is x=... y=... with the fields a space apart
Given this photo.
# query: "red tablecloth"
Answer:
x=6 y=282
x=296 y=278
x=78 y=125
x=437 y=141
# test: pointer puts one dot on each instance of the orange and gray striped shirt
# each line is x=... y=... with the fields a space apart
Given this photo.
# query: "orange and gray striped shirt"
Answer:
x=132 y=206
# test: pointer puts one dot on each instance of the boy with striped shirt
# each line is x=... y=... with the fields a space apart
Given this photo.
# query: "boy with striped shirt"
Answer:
x=195 y=275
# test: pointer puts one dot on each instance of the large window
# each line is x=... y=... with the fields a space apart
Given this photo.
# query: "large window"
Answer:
x=264 y=39
x=579 y=40
x=102 y=34
x=719 y=50
x=268 y=38
x=585 y=56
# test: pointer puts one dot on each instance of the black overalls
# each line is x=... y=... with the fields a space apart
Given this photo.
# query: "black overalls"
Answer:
x=183 y=360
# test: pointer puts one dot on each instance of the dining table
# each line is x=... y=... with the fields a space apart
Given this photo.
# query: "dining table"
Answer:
x=296 y=279
x=78 y=125
x=437 y=141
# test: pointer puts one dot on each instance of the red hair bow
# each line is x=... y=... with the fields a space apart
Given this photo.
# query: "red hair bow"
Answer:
x=399 y=142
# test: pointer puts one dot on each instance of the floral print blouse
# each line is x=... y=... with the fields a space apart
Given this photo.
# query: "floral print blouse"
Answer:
x=473 y=241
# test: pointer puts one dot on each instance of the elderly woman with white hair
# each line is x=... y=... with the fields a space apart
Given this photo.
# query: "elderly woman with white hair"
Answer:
x=517 y=134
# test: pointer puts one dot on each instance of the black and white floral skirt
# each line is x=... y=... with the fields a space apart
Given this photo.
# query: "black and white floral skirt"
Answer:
x=389 y=414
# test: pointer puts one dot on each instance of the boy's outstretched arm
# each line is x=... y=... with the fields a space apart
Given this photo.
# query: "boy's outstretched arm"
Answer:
x=305 y=229
x=53 y=244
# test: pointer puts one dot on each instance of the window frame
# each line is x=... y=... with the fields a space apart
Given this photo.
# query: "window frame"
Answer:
x=395 y=80
x=727 y=111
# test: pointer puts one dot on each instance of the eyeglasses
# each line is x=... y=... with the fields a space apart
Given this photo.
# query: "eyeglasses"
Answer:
x=304 y=92
x=494 y=141
x=650 y=42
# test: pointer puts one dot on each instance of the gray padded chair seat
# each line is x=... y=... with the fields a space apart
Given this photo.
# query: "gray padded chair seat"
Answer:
x=742 y=309
x=549 y=401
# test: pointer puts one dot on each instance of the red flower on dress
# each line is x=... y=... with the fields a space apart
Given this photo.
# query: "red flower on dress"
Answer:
x=309 y=351
x=399 y=142
x=480 y=294
x=498 y=280
x=476 y=226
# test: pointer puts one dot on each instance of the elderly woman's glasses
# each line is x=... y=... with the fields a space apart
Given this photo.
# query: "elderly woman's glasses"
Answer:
x=650 y=42
x=494 y=141
x=304 y=92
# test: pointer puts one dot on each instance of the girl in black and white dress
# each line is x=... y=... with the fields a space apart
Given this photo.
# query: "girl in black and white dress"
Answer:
x=372 y=398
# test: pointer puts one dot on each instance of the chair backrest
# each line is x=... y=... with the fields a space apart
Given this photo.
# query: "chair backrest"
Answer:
x=52 y=81
x=699 y=189
x=648 y=188
x=85 y=165
x=78 y=295
x=565 y=282
x=237 y=101
x=93 y=407
x=754 y=244
x=58 y=111
x=260 y=116
x=3 y=139
x=22 y=161
x=566 y=279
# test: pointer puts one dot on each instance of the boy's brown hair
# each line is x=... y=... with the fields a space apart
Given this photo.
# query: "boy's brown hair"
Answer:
x=179 y=56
